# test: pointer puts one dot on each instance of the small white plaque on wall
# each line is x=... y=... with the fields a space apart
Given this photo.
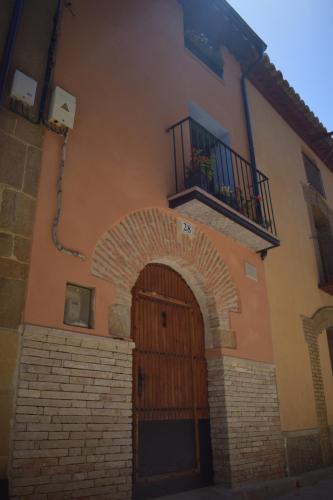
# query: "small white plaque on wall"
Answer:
x=251 y=271
x=186 y=228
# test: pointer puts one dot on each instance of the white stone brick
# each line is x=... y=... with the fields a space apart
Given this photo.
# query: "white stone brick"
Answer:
x=62 y=373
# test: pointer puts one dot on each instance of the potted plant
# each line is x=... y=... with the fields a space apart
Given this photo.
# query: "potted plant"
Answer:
x=226 y=194
x=201 y=170
x=247 y=205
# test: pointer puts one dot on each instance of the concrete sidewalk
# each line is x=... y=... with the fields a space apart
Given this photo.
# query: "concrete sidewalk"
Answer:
x=316 y=485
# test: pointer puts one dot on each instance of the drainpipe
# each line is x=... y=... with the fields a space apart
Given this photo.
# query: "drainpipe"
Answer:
x=50 y=61
x=10 y=43
x=249 y=130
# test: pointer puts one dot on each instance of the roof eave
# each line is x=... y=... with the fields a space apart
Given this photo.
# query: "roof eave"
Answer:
x=271 y=84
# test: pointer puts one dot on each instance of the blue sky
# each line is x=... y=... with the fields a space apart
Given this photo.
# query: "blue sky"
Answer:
x=299 y=36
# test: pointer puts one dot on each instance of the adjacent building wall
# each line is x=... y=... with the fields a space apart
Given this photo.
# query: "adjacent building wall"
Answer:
x=292 y=277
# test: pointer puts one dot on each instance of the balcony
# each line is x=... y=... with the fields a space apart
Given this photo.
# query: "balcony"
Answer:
x=325 y=244
x=217 y=187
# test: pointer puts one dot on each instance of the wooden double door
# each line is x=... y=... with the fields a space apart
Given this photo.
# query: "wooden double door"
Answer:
x=170 y=400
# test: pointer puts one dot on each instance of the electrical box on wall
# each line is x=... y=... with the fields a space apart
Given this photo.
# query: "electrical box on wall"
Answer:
x=78 y=306
x=62 y=108
x=23 y=88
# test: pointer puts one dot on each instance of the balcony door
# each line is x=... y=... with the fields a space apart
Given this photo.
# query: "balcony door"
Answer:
x=170 y=399
x=212 y=140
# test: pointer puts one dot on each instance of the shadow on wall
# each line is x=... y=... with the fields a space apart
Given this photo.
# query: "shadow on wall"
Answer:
x=4 y=489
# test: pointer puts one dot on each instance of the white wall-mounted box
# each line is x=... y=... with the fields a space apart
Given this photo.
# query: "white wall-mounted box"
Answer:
x=62 y=108
x=23 y=88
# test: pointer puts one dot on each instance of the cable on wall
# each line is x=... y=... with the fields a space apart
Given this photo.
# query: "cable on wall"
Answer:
x=59 y=246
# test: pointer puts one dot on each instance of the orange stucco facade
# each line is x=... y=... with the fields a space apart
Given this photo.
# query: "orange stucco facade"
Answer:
x=120 y=157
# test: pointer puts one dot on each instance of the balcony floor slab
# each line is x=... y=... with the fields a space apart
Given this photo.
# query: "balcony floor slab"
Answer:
x=205 y=208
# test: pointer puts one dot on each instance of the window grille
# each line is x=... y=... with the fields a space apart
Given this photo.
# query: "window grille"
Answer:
x=313 y=175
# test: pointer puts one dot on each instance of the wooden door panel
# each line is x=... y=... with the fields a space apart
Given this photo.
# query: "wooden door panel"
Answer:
x=156 y=324
x=200 y=373
x=163 y=388
x=171 y=416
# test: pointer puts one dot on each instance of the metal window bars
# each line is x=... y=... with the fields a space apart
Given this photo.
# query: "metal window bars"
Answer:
x=203 y=160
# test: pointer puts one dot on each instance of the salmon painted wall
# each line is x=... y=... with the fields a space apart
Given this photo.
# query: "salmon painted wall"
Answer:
x=291 y=270
x=127 y=66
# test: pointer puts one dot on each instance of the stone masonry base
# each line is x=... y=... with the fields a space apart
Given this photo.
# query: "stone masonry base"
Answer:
x=245 y=424
x=71 y=435
x=72 y=427
x=304 y=450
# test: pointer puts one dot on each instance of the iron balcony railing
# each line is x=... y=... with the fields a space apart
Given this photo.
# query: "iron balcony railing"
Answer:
x=203 y=160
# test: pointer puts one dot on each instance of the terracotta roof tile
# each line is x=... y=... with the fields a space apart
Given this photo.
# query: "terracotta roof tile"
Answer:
x=282 y=96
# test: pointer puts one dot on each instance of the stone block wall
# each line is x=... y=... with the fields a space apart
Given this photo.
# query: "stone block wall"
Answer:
x=72 y=429
x=20 y=156
x=245 y=423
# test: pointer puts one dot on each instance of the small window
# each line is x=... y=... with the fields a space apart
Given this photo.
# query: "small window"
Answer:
x=313 y=175
x=324 y=245
x=329 y=332
x=204 y=49
x=79 y=306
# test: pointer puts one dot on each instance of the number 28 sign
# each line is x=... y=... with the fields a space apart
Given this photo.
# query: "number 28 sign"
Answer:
x=187 y=228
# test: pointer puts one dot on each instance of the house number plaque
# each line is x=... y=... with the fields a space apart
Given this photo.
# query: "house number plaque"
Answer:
x=185 y=228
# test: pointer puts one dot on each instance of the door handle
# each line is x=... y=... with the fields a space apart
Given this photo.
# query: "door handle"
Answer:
x=141 y=380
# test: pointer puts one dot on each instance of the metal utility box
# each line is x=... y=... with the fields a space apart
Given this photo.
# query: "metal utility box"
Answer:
x=23 y=88
x=62 y=108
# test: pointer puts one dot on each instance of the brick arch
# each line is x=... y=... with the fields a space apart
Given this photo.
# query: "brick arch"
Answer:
x=320 y=321
x=154 y=235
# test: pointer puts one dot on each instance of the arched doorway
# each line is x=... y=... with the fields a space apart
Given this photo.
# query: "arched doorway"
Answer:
x=171 y=442
x=321 y=320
